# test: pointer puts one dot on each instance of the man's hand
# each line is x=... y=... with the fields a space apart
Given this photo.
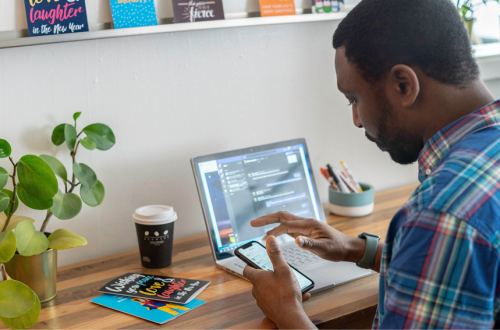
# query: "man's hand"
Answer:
x=278 y=293
x=315 y=236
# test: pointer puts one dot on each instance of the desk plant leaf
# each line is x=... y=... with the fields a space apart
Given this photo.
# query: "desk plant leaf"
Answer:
x=4 y=202
x=5 y=149
x=37 y=177
x=70 y=136
x=66 y=206
x=64 y=239
x=88 y=143
x=16 y=299
x=4 y=177
x=93 y=196
x=31 y=201
x=56 y=166
x=29 y=241
x=7 y=245
x=76 y=115
x=26 y=320
x=58 y=135
x=13 y=221
x=85 y=175
x=102 y=135
x=16 y=202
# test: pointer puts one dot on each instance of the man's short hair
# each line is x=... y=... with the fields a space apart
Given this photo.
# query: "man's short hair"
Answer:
x=429 y=34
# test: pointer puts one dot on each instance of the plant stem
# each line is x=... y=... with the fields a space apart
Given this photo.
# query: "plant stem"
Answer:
x=73 y=180
x=46 y=222
x=7 y=277
x=14 y=195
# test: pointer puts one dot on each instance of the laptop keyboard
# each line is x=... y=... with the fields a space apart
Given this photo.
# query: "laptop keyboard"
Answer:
x=298 y=257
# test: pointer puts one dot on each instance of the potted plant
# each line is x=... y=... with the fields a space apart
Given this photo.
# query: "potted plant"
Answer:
x=466 y=9
x=28 y=258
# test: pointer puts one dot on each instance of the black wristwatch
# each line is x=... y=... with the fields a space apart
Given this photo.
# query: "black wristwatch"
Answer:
x=368 y=259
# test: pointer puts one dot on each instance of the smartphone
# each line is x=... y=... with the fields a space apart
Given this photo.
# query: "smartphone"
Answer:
x=255 y=255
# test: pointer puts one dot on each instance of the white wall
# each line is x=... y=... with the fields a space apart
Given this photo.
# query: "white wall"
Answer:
x=173 y=96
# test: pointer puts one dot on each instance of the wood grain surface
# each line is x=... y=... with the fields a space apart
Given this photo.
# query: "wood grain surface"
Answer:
x=229 y=300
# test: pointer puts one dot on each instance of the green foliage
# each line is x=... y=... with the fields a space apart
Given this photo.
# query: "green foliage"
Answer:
x=29 y=241
x=4 y=177
x=26 y=320
x=85 y=175
x=16 y=202
x=66 y=206
x=7 y=245
x=76 y=115
x=58 y=135
x=13 y=221
x=88 y=143
x=102 y=135
x=93 y=196
x=5 y=149
x=4 y=202
x=37 y=177
x=466 y=7
x=70 y=136
x=16 y=299
x=31 y=201
x=64 y=239
x=56 y=166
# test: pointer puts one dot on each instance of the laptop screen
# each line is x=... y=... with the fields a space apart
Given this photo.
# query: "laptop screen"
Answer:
x=240 y=186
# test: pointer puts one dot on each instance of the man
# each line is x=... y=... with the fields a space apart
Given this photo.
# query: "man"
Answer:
x=407 y=69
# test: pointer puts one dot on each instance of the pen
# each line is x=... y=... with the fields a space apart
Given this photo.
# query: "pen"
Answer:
x=348 y=171
x=328 y=178
x=339 y=183
x=349 y=182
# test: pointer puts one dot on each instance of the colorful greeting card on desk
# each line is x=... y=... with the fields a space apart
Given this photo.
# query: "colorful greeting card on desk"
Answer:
x=151 y=310
x=276 y=7
x=133 y=13
x=197 y=10
x=170 y=289
x=46 y=17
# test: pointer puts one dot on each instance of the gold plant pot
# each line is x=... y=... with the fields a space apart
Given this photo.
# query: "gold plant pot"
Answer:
x=38 y=272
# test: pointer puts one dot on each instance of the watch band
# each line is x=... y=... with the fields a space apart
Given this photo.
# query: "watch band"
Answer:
x=368 y=259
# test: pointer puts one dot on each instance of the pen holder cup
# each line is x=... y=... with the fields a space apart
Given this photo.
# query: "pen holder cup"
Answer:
x=352 y=204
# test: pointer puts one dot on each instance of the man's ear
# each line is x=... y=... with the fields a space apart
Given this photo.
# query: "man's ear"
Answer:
x=404 y=82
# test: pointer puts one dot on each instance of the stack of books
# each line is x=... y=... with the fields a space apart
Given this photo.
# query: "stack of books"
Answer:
x=155 y=298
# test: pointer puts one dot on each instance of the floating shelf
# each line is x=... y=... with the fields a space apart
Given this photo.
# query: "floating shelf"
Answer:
x=104 y=33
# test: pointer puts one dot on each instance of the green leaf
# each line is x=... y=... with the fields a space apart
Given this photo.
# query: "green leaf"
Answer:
x=4 y=177
x=37 y=177
x=102 y=135
x=63 y=239
x=13 y=221
x=58 y=135
x=85 y=175
x=88 y=143
x=16 y=202
x=31 y=201
x=93 y=196
x=16 y=299
x=5 y=149
x=29 y=240
x=76 y=115
x=7 y=245
x=66 y=206
x=56 y=166
x=4 y=202
x=70 y=135
x=24 y=321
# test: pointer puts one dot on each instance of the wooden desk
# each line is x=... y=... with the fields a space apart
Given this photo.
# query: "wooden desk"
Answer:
x=229 y=300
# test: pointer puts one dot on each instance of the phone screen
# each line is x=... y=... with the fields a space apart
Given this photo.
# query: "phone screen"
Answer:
x=258 y=255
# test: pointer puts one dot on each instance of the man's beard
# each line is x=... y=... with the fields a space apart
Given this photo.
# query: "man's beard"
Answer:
x=395 y=143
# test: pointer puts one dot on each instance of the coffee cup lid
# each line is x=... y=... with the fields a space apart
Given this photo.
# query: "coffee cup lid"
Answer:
x=154 y=215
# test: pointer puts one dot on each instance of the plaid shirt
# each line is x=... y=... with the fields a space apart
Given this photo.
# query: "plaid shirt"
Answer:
x=440 y=263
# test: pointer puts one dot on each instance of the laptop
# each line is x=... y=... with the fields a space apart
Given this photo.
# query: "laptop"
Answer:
x=236 y=187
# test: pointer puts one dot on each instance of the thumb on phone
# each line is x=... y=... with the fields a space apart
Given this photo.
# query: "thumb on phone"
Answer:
x=275 y=254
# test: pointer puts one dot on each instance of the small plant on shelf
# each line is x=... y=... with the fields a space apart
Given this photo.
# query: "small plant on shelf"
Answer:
x=34 y=183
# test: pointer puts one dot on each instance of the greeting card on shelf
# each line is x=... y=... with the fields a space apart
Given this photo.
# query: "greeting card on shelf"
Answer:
x=197 y=10
x=46 y=17
x=128 y=13
x=276 y=7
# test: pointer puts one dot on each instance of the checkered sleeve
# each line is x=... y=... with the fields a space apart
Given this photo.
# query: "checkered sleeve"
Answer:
x=443 y=274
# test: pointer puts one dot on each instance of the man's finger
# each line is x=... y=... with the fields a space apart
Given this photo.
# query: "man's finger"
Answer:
x=306 y=296
x=302 y=227
x=275 y=254
x=274 y=218
x=250 y=273
x=310 y=244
